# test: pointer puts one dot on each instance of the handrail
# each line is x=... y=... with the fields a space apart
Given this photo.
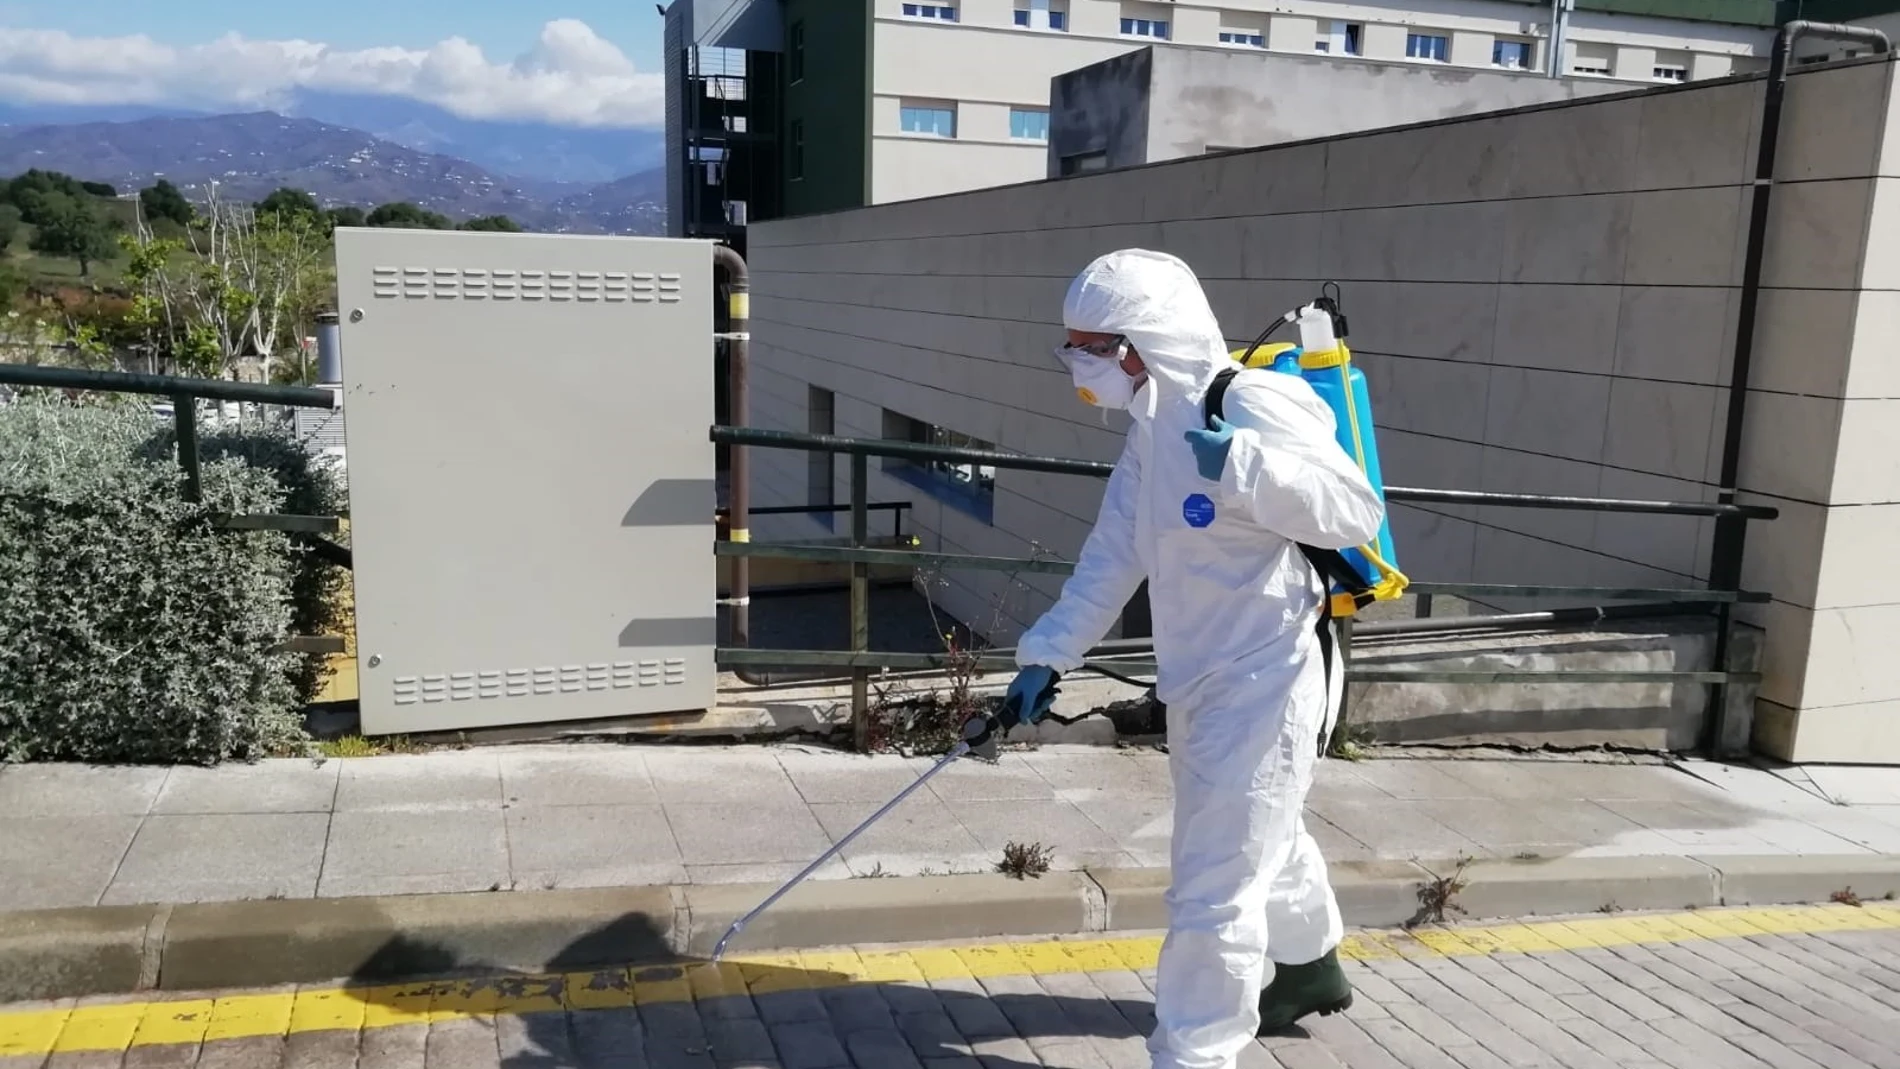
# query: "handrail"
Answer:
x=882 y=447
x=73 y=378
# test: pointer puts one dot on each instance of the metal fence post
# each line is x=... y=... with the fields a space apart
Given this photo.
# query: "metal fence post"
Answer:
x=185 y=412
x=1344 y=649
x=860 y=603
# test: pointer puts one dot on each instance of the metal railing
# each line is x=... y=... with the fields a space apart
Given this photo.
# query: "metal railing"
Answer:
x=184 y=393
x=859 y=660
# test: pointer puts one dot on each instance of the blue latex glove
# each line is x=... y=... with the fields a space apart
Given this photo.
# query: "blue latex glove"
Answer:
x=1210 y=448
x=1027 y=688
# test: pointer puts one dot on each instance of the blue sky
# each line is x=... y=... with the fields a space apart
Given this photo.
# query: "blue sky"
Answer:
x=585 y=63
x=501 y=27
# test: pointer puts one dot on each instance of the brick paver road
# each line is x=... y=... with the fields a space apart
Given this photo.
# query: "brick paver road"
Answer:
x=1813 y=987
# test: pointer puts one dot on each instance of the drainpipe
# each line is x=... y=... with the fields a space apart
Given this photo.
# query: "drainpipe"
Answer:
x=1559 y=29
x=1725 y=566
x=738 y=471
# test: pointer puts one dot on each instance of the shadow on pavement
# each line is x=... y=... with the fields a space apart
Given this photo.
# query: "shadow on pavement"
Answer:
x=587 y=1011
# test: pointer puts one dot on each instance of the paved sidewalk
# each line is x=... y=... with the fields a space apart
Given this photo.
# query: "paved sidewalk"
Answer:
x=1802 y=988
x=601 y=815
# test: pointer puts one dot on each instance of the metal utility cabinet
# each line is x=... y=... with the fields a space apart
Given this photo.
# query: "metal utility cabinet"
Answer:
x=531 y=485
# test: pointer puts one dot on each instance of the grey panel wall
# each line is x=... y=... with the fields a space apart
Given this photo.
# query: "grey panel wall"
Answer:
x=1543 y=301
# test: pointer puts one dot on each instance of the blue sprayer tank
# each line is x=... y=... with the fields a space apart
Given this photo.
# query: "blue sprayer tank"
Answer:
x=1324 y=361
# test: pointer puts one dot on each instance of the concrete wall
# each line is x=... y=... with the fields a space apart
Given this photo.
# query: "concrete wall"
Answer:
x=1543 y=300
x=982 y=65
x=1165 y=103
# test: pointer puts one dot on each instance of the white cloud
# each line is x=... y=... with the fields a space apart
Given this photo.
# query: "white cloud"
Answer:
x=572 y=76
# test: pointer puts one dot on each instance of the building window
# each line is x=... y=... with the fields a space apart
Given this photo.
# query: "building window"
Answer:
x=1342 y=38
x=1029 y=124
x=969 y=488
x=944 y=12
x=1156 y=28
x=1042 y=14
x=1429 y=46
x=1084 y=162
x=796 y=164
x=1242 y=37
x=1669 y=73
x=933 y=120
x=795 y=49
x=821 y=489
x=1591 y=67
x=1515 y=55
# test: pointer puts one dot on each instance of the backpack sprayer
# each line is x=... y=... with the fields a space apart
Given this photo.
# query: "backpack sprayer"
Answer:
x=979 y=739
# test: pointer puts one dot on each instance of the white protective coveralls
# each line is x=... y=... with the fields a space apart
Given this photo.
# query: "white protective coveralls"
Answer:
x=1234 y=607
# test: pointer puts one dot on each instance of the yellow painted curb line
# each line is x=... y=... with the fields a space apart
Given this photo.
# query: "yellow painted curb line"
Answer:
x=121 y=1025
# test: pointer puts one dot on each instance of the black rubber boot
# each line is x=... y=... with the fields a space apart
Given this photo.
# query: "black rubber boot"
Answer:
x=1298 y=990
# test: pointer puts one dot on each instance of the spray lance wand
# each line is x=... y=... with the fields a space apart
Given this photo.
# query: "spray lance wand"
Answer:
x=979 y=739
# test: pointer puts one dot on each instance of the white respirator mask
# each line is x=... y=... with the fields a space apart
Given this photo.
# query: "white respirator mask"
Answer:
x=1099 y=378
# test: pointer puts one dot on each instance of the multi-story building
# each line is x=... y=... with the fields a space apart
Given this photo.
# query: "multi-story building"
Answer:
x=869 y=101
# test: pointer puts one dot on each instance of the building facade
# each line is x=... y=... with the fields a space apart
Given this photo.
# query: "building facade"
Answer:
x=873 y=101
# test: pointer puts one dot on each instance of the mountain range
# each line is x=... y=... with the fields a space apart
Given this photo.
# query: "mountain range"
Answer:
x=422 y=156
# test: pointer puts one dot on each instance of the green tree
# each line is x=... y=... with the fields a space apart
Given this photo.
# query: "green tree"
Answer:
x=9 y=225
x=497 y=223
x=74 y=230
x=288 y=202
x=13 y=286
x=164 y=201
x=98 y=189
x=348 y=215
x=403 y=215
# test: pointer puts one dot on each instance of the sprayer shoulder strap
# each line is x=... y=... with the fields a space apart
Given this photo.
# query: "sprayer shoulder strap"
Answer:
x=1331 y=564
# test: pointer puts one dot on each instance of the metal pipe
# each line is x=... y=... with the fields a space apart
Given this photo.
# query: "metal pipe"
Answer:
x=185 y=418
x=883 y=447
x=329 y=349
x=739 y=471
x=1518 y=620
x=1559 y=29
x=1725 y=566
x=72 y=378
x=860 y=605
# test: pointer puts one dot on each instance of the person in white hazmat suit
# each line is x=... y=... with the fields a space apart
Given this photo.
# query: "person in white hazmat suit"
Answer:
x=1210 y=519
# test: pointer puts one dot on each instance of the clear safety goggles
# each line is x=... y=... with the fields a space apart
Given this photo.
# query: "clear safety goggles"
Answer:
x=1107 y=349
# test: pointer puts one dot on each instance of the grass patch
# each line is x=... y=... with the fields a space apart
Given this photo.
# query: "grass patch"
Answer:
x=361 y=746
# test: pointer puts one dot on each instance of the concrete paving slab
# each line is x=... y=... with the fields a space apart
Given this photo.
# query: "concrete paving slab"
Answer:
x=1856 y=785
x=698 y=776
x=1078 y=772
x=1144 y=826
x=1011 y=778
x=1378 y=893
x=415 y=852
x=737 y=834
x=1502 y=830
x=1077 y=841
x=1409 y=780
x=920 y=834
x=79 y=790
x=54 y=862
x=1392 y=830
x=1577 y=821
x=824 y=777
x=269 y=786
x=1334 y=844
x=419 y=782
x=222 y=856
x=772 y=872
x=542 y=776
x=592 y=846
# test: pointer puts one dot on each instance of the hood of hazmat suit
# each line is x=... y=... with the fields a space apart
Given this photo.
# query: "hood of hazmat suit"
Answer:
x=1235 y=608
